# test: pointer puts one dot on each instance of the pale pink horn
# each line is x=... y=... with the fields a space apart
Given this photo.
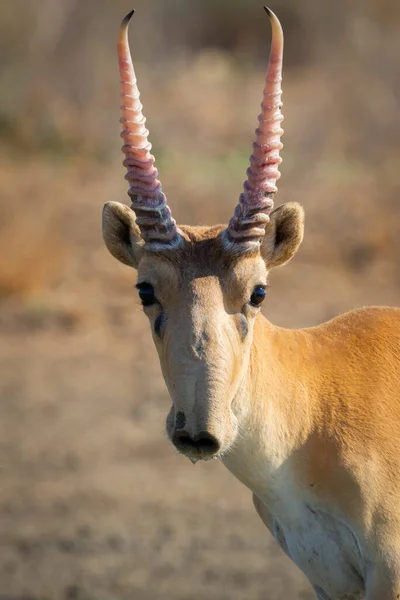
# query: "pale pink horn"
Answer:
x=247 y=226
x=153 y=215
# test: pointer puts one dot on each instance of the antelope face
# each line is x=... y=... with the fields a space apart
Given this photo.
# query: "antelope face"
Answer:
x=202 y=315
x=202 y=300
x=202 y=288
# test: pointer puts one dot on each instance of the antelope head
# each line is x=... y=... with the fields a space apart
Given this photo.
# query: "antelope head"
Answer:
x=202 y=287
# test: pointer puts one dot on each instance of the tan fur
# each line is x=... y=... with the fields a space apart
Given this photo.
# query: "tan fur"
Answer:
x=308 y=419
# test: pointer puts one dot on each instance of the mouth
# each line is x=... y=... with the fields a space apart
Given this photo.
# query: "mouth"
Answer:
x=196 y=455
x=199 y=446
x=195 y=459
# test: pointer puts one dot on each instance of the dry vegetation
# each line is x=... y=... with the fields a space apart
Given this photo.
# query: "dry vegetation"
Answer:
x=94 y=504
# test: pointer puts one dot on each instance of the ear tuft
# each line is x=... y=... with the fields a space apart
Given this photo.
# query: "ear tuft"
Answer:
x=121 y=234
x=283 y=234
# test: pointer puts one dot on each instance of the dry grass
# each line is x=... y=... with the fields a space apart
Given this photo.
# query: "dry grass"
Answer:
x=51 y=208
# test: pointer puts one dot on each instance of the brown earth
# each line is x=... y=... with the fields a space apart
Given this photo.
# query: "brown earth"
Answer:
x=94 y=502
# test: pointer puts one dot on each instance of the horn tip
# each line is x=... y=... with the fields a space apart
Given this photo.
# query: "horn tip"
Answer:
x=128 y=17
x=273 y=19
x=271 y=14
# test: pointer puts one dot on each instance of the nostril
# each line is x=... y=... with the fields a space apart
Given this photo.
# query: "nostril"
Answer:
x=180 y=420
x=204 y=443
x=208 y=445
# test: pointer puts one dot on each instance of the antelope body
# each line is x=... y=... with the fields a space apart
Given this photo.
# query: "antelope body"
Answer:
x=307 y=419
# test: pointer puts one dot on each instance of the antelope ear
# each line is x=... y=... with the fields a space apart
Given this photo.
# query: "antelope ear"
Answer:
x=283 y=234
x=121 y=234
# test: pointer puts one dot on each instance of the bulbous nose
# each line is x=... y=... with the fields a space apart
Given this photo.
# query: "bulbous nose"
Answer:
x=201 y=445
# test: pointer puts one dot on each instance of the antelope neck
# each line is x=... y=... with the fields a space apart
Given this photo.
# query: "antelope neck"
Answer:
x=274 y=412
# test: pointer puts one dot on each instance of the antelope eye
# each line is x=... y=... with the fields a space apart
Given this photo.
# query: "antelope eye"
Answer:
x=146 y=293
x=258 y=295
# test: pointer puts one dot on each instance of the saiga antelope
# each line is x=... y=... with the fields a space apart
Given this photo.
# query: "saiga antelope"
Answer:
x=307 y=419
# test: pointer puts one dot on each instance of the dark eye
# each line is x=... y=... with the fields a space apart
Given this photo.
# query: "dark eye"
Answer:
x=146 y=293
x=258 y=295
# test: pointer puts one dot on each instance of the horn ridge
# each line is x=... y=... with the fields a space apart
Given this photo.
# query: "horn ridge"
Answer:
x=251 y=215
x=153 y=216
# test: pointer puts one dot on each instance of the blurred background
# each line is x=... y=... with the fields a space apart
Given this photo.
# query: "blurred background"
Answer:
x=94 y=503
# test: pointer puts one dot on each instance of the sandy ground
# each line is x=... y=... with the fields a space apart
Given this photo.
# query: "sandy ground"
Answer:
x=94 y=502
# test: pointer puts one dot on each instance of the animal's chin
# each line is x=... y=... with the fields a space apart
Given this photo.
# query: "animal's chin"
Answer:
x=197 y=456
x=194 y=459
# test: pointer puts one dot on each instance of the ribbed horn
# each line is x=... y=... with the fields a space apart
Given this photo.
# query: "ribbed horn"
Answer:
x=247 y=226
x=153 y=215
